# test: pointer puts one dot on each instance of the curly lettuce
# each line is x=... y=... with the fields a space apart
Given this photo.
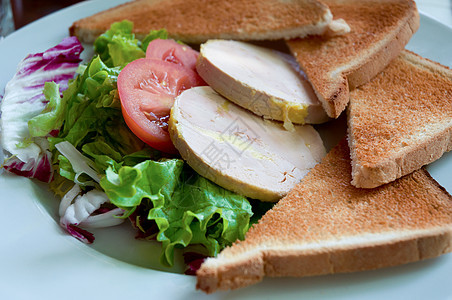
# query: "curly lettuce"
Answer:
x=105 y=174
x=187 y=208
x=118 y=45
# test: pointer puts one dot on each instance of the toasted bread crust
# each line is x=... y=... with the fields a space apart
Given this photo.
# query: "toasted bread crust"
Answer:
x=198 y=21
x=413 y=129
x=334 y=65
x=325 y=225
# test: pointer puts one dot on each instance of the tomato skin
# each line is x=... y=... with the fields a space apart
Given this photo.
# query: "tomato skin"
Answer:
x=147 y=89
x=171 y=51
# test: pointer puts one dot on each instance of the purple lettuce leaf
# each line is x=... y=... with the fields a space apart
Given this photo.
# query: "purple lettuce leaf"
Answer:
x=24 y=99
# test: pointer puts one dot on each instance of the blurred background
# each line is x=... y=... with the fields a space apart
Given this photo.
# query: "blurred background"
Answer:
x=15 y=14
x=26 y=11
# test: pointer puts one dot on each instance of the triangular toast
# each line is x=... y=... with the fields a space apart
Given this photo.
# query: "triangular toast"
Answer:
x=325 y=225
x=198 y=21
x=379 y=30
x=400 y=121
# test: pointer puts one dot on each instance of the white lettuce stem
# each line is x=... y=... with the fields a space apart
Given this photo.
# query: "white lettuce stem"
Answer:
x=77 y=209
x=80 y=163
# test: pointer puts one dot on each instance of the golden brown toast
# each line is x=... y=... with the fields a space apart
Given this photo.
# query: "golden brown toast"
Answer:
x=400 y=120
x=198 y=21
x=333 y=65
x=325 y=225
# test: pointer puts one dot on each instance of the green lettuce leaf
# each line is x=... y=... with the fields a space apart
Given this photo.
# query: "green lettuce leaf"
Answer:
x=89 y=117
x=187 y=208
x=52 y=117
x=118 y=46
x=93 y=113
x=153 y=34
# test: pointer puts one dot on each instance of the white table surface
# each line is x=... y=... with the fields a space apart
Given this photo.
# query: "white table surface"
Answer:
x=440 y=10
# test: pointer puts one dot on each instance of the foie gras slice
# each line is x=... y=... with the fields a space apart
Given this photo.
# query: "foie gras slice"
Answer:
x=264 y=81
x=239 y=150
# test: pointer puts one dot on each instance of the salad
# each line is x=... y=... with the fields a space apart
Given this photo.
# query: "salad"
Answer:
x=76 y=126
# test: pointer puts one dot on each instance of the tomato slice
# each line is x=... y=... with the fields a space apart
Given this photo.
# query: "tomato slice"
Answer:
x=147 y=89
x=171 y=51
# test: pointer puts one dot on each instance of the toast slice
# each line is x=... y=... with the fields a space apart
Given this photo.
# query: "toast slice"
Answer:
x=400 y=121
x=333 y=65
x=198 y=21
x=325 y=225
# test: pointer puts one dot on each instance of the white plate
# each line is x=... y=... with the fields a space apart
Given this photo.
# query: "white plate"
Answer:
x=38 y=260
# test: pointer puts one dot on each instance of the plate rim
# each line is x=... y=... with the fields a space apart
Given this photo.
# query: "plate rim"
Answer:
x=181 y=285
